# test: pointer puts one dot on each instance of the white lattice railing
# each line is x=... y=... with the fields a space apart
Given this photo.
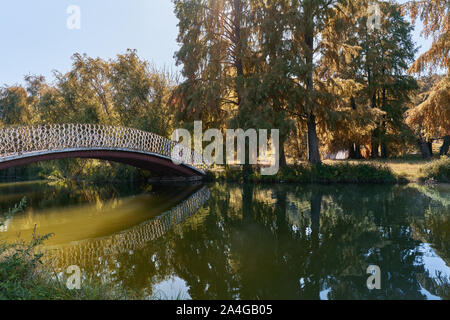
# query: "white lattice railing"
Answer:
x=17 y=141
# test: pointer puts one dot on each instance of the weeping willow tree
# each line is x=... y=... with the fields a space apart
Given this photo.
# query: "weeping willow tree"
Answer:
x=124 y=91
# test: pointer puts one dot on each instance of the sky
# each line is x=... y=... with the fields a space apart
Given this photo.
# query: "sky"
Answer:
x=36 y=39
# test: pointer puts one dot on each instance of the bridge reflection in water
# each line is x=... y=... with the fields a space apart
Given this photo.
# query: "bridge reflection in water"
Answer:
x=90 y=252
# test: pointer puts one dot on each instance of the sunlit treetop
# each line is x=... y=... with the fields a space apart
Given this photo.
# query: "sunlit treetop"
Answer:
x=435 y=16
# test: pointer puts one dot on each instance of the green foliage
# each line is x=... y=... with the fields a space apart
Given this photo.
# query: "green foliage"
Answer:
x=438 y=170
x=19 y=278
x=16 y=209
x=90 y=171
x=19 y=263
x=323 y=173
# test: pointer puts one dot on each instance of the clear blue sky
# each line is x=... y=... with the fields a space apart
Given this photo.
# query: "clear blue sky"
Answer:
x=35 y=38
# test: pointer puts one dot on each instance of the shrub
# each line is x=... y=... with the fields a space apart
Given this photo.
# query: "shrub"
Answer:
x=437 y=170
x=341 y=173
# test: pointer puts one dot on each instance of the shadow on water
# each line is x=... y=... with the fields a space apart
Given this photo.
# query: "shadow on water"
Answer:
x=228 y=241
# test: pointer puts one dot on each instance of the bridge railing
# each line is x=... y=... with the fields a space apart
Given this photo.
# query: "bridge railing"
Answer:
x=17 y=141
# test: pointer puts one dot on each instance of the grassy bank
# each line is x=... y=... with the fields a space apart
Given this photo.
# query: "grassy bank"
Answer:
x=402 y=170
x=305 y=173
x=411 y=168
x=408 y=167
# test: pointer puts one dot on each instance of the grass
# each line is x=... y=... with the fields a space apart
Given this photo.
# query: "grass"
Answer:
x=405 y=168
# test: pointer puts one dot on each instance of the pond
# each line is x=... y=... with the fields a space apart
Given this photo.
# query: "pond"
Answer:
x=243 y=241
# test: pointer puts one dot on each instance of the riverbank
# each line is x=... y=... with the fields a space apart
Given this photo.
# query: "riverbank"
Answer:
x=407 y=169
x=411 y=167
x=389 y=171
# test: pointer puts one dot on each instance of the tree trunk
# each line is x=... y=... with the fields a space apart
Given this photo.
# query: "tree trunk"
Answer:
x=247 y=203
x=313 y=289
x=430 y=147
x=313 y=141
x=423 y=146
x=384 y=151
x=280 y=208
x=316 y=207
x=445 y=146
x=240 y=82
x=354 y=152
x=375 y=149
x=283 y=162
x=424 y=149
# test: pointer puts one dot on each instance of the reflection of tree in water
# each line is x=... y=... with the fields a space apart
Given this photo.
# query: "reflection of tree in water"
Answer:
x=434 y=228
x=258 y=254
x=66 y=193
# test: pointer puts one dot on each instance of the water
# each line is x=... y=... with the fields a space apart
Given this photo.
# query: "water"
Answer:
x=244 y=241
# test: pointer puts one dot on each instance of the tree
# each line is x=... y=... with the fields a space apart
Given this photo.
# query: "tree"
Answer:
x=371 y=74
x=216 y=57
x=268 y=86
x=305 y=22
x=225 y=67
x=86 y=91
x=140 y=93
x=431 y=118
x=389 y=86
x=352 y=120
x=16 y=107
x=123 y=91
x=435 y=16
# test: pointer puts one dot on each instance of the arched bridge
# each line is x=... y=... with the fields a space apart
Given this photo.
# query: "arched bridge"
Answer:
x=24 y=145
